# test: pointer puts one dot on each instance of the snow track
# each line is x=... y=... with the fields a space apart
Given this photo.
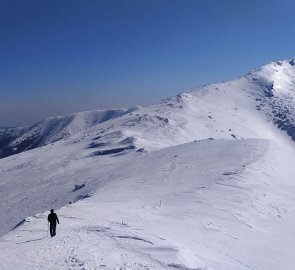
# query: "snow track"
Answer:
x=209 y=213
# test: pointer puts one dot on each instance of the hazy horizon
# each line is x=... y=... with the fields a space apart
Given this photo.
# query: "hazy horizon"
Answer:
x=62 y=57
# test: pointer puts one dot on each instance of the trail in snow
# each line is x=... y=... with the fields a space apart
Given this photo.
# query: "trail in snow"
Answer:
x=215 y=213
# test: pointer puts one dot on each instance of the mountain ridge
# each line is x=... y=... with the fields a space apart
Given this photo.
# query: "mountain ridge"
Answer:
x=270 y=89
x=200 y=180
x=19 y=139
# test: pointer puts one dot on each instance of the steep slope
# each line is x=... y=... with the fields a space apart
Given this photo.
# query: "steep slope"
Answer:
x=17 y=140
x=252 y=106
x=274 y=91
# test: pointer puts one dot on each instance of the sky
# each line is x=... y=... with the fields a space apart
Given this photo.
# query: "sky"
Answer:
x=63 y=56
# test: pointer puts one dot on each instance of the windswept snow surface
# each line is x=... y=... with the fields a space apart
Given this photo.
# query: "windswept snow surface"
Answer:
x=202 y=205
x=201 y=180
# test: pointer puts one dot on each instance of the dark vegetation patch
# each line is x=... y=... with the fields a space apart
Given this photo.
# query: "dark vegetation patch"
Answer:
x=96 y=145
x=81 y=197
x=141 y=150
x=128 y=140
x=112 y=151
x=77 y=187
x=7 y=149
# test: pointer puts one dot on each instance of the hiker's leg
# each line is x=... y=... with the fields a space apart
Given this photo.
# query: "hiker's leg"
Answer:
x=54 y=229
x=51 y=229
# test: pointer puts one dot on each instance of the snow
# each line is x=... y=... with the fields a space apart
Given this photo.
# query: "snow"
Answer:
x=182 y=205
x=49 y=130
x=202 y=180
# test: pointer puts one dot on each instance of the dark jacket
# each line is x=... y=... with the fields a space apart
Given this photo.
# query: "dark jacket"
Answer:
x=52 y=218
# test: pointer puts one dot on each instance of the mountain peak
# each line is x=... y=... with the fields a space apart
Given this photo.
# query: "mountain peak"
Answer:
x=261 y=98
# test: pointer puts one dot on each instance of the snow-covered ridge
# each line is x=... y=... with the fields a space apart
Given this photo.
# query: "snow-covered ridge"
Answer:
x=201 y=180
x=246 y=107
x=52 y=129
x=257 y=105
x=227 y=110
x=203 y=205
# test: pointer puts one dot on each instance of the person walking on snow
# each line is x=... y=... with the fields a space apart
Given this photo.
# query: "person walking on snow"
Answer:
x=52 y=219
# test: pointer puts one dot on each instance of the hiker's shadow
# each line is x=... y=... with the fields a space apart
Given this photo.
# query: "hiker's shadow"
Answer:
x=28 y=241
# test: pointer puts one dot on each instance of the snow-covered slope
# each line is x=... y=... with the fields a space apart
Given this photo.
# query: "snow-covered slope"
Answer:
x=16 y=140
x=223 y=201
x=203 y=205
x=252 y=106
x=276 y=82
x=245 y=107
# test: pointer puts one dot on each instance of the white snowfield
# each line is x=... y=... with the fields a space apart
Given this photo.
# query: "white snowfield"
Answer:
x=202 y=180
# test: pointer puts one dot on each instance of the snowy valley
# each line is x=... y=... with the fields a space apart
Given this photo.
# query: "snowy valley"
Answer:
x=201 y=180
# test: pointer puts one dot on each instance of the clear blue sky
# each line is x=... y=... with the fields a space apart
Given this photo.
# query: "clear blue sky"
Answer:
x=63 y=56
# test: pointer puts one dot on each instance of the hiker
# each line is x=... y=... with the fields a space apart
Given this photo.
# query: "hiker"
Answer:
x=52 y=219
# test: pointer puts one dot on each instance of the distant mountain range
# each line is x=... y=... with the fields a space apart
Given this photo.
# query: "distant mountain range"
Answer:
x=52 y=129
